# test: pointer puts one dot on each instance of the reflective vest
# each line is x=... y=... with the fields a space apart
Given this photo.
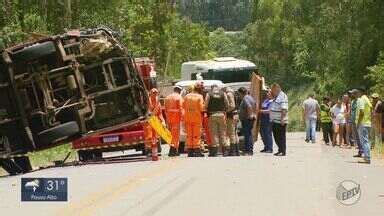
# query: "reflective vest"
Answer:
x=216 y=102
x=173 y=108
x=325 y=115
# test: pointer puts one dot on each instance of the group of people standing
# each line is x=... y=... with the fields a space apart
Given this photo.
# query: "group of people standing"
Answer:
x=210 y=113
x=215 y=114
x=350 y=120
x=274 y=120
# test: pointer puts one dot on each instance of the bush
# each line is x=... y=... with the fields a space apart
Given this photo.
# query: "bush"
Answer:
x=376 y=75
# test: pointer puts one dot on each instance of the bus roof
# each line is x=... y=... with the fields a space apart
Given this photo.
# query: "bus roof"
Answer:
x=208 y=83
x=223 y=63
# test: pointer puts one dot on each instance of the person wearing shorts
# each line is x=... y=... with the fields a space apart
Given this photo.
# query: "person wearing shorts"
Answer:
x=339 y=121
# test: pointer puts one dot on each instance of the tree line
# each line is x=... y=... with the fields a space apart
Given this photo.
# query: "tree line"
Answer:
x=150 y=28
x=332 y=45
x=232 y=15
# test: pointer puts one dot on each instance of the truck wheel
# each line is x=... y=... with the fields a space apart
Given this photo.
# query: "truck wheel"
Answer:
x=24 y=163
x=97 y=155
x=59 y=132
x=85 y=155
x=34 y=52
x=10 y=166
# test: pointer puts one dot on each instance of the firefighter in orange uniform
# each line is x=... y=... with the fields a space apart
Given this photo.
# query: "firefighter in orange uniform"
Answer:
x=207 y=134
x=155 y=109
x=174 y=112
x=193 y=107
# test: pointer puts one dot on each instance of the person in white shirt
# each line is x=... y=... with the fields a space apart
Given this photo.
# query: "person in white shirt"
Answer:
x=338 y=112
x=311 y=112
x=278 y=115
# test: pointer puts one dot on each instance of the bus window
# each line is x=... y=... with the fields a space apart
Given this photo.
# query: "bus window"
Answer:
x=228 y=76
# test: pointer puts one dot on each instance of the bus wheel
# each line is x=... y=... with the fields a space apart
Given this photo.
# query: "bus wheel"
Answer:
x=24 y=163
x=10 y=166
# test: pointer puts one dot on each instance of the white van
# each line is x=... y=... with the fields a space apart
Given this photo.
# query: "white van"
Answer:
x=226 y=69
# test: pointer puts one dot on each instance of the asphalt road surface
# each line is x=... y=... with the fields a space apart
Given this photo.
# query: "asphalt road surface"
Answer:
x=303 y=183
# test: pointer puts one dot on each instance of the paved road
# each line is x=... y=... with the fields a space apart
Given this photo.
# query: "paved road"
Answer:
x=303 y=183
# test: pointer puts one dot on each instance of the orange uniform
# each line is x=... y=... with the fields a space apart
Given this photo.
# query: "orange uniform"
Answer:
x=193 y=107
x=174 y=112
x=207 y=133
x=155 y=109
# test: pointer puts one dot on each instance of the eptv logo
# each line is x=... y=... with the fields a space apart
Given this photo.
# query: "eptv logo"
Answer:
x=348 y=192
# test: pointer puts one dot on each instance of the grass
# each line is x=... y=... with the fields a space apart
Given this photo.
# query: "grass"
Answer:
x=378 y=151
x=47 y=157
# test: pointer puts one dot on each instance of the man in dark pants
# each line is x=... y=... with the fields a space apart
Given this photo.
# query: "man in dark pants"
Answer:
x=247 y=117
x=265 y=124
x=355 y=134
x=279 y=118
x=326 y=120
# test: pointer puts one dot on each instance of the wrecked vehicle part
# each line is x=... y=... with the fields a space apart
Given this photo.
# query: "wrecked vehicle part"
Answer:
x=60 y=87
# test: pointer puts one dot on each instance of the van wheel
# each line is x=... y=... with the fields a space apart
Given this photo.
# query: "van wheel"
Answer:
x=10 y=166
x=59 y=132
x=34 y=52
x=24 y=163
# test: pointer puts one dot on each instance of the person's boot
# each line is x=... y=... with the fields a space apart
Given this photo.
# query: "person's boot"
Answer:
x=148 y=152
x=212 y=152
x=190 y=153
x=177 y=153
x=232 y=150
x=225 y=151
x=172 y=152
x=198 y=153
x=236 y=149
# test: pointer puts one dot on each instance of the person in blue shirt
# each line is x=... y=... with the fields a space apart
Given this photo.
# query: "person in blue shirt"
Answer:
x=265 y=124
x=247 y=117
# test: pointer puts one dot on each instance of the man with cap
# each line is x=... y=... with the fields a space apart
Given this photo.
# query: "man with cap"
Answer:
x=377 y=117
x=364 y=123
x=193 y=106
x=216 y=103
x=174 y=111
x=199 y=86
